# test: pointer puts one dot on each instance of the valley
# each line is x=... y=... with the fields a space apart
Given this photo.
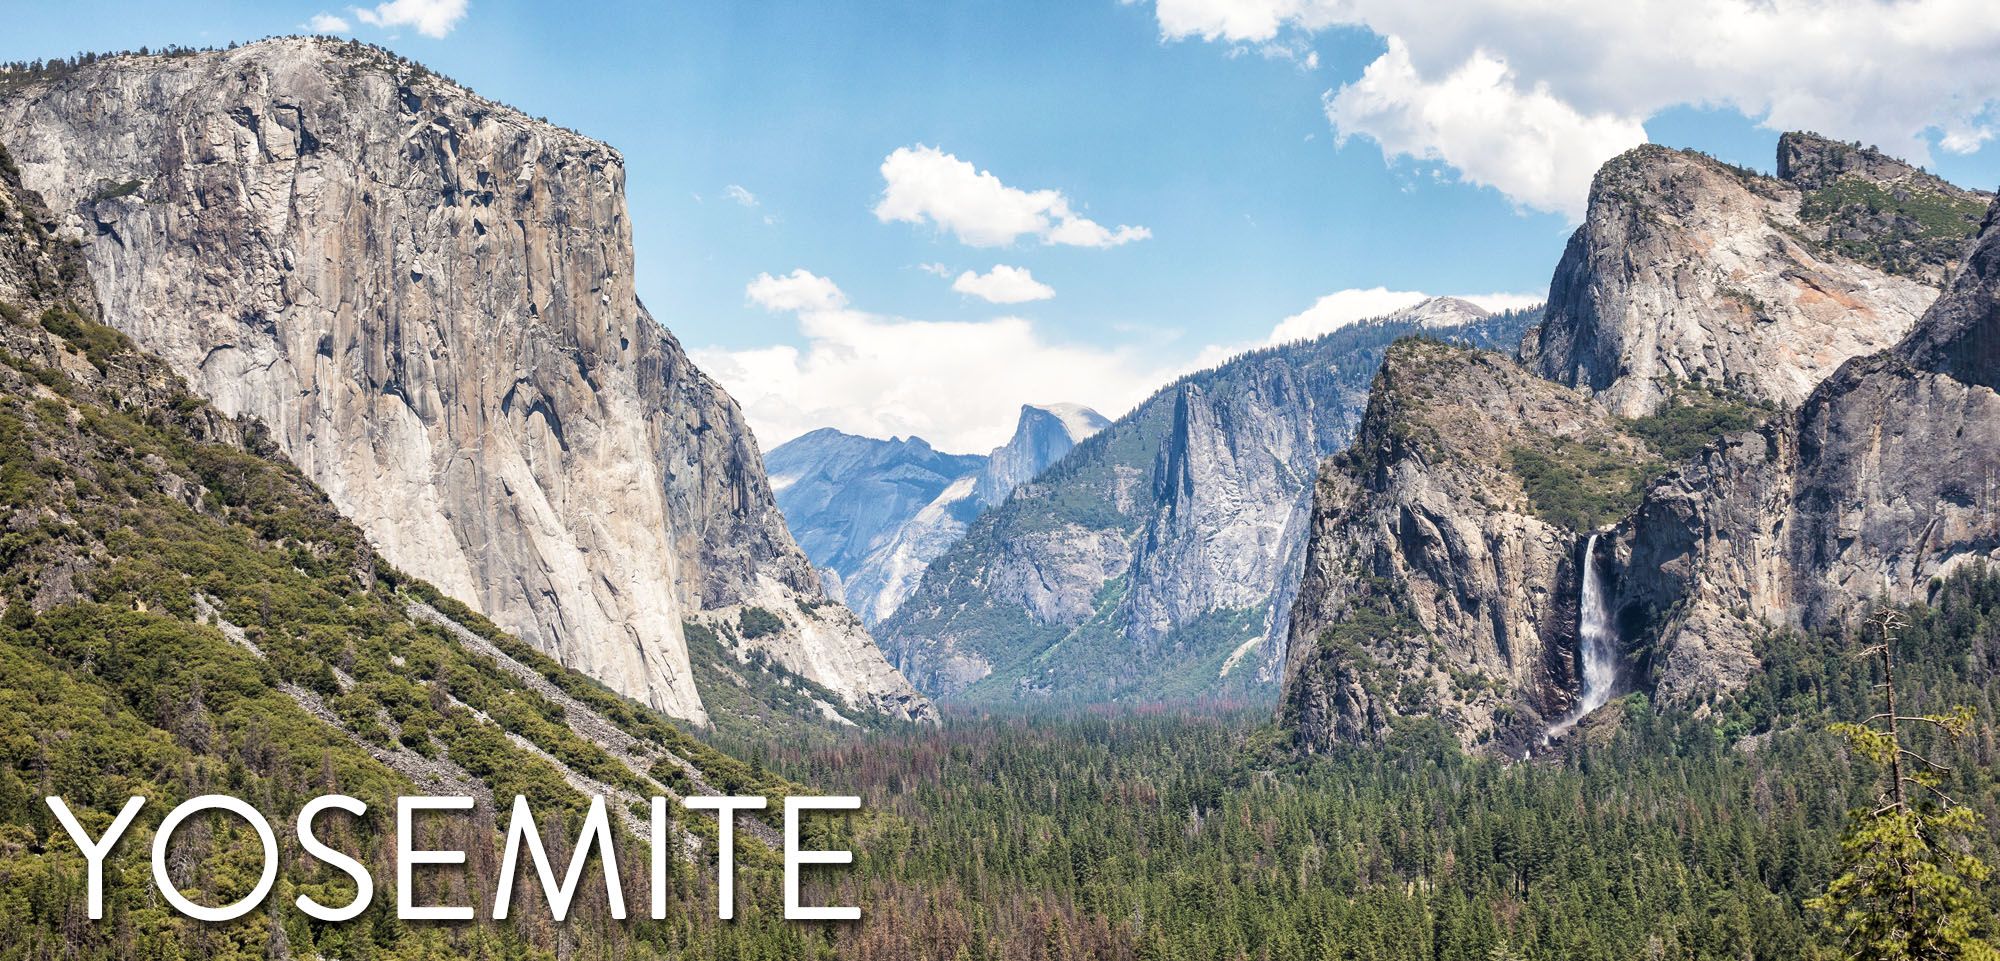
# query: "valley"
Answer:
x=339 y=456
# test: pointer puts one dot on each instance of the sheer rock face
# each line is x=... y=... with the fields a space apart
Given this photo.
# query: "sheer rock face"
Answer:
x=850 y=499
x=1044 y=433
x=1429 y=591
x=1431 y=584
x=1158 y=558
x=873 y=514
x=1689 y=270
x=428 y=298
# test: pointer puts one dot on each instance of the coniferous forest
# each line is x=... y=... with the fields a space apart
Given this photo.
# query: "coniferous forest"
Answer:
x=186 y=611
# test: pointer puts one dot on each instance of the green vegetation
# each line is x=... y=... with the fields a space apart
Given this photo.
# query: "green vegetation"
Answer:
x=1911 y=887
x=1586 y=484
x=756 y=622
x=756 y=701
x=1163 y=835
x=135 y=522
x=93 y=340
x=1582 y=485
x=114 y=189
x=1911 y=229
x=1692 y=419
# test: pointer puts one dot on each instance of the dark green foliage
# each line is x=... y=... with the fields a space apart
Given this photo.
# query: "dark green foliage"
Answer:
x=1580 y=485
x=756 y=701
x=1161 y=834
x=756 y=622
x=90 y=338
x=1911 y=228
x=1584 y=485
x=114 y=189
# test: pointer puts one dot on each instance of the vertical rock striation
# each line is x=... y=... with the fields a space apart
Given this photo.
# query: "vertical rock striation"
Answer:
x=1441 y=578
x=1157 y=558
x=428 y=298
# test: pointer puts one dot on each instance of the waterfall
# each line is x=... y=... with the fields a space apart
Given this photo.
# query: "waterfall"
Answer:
x=1597 y=644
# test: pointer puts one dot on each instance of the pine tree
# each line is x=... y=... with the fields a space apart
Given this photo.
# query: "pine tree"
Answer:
x=1909 y=889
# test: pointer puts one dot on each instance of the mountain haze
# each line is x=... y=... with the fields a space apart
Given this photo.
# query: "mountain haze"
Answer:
x=872 y=514
x=1149 y=562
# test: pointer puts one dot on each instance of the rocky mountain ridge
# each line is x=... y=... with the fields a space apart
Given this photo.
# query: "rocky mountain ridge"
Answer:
x=1690 y=271
x=428 y=298
x=1157 y=558
x=1445 y=569
x=873 y=514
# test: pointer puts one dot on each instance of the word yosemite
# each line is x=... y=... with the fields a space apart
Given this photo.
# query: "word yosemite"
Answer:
x=521 y=832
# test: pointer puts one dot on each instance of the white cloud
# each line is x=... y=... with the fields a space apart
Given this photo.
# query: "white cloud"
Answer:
x=1344 y=307
x=1003 y=285
x=432 y=18
x=800 y=290
x=1528 y=96
x=958 y=385
x=326 y=23
x=737 y=193
x=1537 y=150
x=924 y=184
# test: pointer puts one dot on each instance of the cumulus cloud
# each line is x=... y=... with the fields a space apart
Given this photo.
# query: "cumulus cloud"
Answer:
x=1344 y=307
x=432 y=18
x=800 y=290
x=1532 y=147
x=1527 y=96
x=1003 y=285
x=926 y=185
x=958 y=385
x=326 y=23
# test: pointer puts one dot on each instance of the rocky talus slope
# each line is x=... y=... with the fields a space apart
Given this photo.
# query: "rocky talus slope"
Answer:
x=873 y=514
x=1690 y=271
x=428 y=298
x=1157 y=558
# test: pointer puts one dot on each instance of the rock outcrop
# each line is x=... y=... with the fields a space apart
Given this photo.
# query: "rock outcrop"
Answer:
x=1690 y=271
x=873 y=514
x=1157 y=558
x=428 y=298
x=1428 y=590
x=1042 y=435
x=1439 y=577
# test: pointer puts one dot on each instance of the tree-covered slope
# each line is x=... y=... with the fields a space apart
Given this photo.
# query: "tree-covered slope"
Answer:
x=184 y=613
x=1157 y=558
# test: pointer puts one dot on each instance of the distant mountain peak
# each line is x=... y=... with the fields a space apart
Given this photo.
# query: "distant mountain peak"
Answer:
x=1438 y=312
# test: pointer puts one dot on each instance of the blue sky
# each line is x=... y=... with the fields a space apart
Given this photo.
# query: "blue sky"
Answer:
x=1203 y=121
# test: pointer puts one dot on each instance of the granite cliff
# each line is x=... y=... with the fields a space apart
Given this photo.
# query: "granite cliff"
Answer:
x=1737 y=405
x=1690 y=271
x=1157 y=558
x=428 y=298
x=872 y=514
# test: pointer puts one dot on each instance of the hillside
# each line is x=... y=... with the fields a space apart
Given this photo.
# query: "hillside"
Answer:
x=1148 y=563
x=428 y=299
x=184 y=612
